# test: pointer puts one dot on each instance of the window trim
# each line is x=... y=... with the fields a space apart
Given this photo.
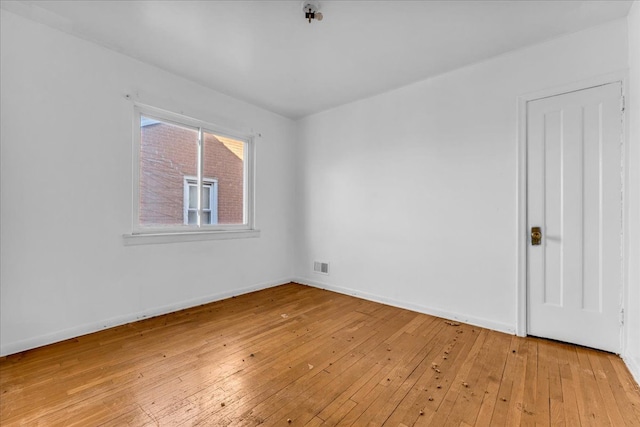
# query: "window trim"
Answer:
x=181 y=232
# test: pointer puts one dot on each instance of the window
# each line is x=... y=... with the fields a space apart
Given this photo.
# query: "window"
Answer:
x=209 y=201
x=191 y=176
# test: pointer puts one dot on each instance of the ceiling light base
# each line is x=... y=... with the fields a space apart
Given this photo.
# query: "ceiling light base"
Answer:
x=311 y=9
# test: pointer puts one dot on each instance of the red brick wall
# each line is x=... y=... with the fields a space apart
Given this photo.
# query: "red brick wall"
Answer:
x=168 y=154
x=223 y=164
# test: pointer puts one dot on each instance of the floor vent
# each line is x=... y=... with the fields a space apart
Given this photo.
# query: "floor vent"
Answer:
x=321 y=267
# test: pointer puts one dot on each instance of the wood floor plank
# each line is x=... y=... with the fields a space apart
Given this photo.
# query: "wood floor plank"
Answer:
x=505 y=412
x=569 y=385
x=528 y=402
x=542 y=414
x=595 y=412
x=519 y=386
x=487 y=386
x=408 y=373
x=630 y=387
x=314 y=391
x=434 y=380
x=580 y=382
x=547 y=349
x=296 y=355
x=492 y=400
x=453 y=389
x=409 y=399
x=466 y=407
x=341 y=361
x=488 y=367
x=604 y=388
x=627 y=401
x=402 y=357
x=315 y=422
x=340 y=413
x=378 y=361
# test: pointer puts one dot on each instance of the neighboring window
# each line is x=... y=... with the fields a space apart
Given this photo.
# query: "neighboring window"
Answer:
x=191 y=176
x=209 y=201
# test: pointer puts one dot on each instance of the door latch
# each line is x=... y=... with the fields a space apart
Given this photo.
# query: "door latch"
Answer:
x=536 y=236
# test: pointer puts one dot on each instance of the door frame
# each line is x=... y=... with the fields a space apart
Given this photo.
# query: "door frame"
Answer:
x=522 y=237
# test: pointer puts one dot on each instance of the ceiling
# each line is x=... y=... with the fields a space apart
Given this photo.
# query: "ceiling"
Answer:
x=266 y=53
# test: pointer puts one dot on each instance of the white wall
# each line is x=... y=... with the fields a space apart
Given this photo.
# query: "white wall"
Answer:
x=66 y=192
x=412 y=195
x=632 y=352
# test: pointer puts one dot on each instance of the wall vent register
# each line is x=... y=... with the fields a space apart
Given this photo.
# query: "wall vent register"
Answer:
x=321 y=267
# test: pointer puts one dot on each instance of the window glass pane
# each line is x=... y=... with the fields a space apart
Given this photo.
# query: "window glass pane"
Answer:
x=206 y=217
x=193 y=217
x=168 y=153
x=223 y=160
x=206 y=197
x=193 y=197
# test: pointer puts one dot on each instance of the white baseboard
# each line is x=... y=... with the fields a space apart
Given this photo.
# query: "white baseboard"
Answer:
x=633 y=364
x=87 y=328
x=476 y=321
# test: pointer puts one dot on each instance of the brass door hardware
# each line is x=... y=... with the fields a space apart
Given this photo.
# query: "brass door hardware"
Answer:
x=536 y=236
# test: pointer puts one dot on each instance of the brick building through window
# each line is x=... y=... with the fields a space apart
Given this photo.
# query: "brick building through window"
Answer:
x=168 y=166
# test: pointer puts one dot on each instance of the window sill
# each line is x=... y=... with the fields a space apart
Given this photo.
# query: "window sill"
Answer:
x=195 y=236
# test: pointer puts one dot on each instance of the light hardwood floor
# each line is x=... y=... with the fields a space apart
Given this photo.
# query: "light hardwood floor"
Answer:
x=315 y=358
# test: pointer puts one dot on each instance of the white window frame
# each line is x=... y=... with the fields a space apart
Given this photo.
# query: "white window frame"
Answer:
x=213 y=197
x=176 y=233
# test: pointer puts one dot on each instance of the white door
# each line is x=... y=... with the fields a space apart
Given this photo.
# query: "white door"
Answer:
x=574 y=195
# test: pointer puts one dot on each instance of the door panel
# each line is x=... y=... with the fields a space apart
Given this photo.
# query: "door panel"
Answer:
x=574 y=195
